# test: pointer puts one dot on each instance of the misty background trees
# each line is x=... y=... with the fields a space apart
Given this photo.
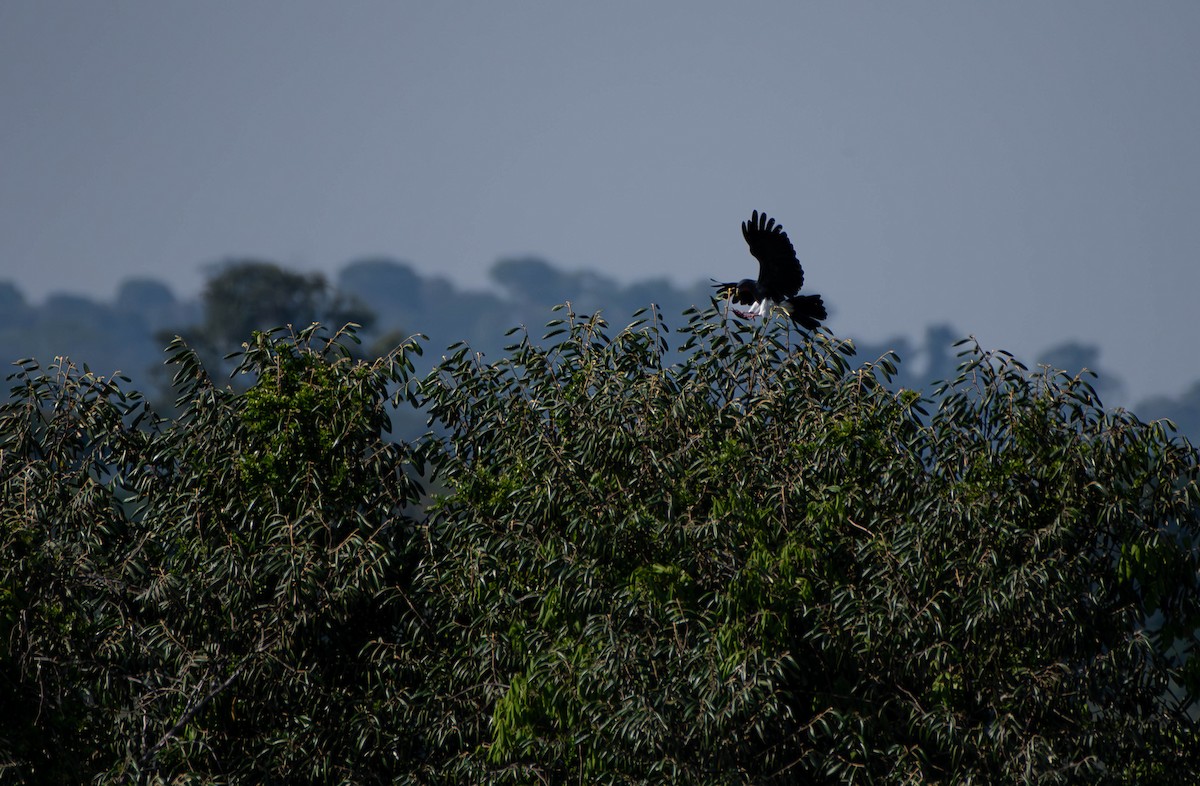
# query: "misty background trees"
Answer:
x=391 y=300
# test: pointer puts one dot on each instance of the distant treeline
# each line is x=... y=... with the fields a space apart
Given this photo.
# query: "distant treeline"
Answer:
x=392 y=300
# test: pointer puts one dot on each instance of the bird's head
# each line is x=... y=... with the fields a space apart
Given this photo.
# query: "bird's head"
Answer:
x=744 y=292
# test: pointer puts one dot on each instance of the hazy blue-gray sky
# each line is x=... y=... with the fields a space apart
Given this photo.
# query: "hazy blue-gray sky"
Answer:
x=1027 y=171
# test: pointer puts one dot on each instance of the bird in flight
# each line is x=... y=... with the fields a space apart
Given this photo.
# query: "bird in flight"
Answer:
x=780 y=276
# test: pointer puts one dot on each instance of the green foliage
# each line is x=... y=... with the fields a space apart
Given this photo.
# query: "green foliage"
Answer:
x=201 y=597
x=753 y=565
x=761 y=565
x=306 y=413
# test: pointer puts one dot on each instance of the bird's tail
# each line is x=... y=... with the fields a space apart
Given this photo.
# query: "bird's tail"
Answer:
x=806 y=311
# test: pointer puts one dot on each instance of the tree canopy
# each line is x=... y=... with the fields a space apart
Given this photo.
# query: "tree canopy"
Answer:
x=754 y=564
x=249 y=295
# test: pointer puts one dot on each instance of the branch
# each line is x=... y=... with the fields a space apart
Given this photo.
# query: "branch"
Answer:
x=189 y=714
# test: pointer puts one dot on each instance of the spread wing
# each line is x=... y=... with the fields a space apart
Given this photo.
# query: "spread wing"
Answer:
x=779 y=271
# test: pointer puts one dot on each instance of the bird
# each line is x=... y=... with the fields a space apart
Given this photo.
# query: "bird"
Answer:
x=780 y=277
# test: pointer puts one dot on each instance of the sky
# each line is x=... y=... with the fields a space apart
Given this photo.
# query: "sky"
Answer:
x=1026 y=171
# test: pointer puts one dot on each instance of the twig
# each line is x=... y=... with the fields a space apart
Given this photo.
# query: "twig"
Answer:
x=189 y=714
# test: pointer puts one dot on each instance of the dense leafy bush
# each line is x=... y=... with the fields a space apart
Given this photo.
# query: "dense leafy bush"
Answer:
x=198 y=596
x=764 y=565
x=758 y=565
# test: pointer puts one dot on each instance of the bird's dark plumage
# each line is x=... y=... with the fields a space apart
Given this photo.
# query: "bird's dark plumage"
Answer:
x=780 y=276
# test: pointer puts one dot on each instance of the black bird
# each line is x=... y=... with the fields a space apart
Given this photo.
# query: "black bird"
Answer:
x=780 y=276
